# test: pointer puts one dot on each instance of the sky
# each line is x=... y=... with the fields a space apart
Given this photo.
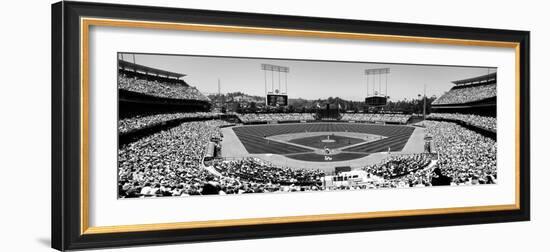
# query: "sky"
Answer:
x=309 y=79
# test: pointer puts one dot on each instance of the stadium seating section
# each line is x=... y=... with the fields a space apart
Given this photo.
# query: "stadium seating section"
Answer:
x=485 y=122
x=275 y=117
x=466 y=94
x=164 y=89
x=139 y=122
x=388 y=118
x=168 y=163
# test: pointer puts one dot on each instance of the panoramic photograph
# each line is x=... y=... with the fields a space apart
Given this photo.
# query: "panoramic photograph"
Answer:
x=195 y=125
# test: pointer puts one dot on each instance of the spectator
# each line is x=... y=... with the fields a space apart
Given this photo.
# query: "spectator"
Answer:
x=439 y=179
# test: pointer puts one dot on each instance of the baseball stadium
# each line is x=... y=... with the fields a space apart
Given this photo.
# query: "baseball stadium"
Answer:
x=175 y=139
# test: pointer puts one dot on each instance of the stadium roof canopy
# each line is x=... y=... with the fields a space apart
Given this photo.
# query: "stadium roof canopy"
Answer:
x=148 y=70
x=477 y=80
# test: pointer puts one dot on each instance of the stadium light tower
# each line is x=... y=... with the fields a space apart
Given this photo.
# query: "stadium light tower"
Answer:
x=377 y=97
x=276 y=97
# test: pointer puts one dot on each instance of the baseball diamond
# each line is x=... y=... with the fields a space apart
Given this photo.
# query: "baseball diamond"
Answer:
x=256 y=139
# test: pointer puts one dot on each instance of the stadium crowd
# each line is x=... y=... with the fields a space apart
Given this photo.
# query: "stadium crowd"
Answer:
x=159 y=88
x=465 y=156
x=458 y=95
x=138 y=122
x=167 y=163
x=389 y=118
x=399 y=165
x=251 y=118
x=255 y=175
x=489 y=123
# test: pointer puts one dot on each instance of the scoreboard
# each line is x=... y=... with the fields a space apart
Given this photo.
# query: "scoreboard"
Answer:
x=277 y=100
x=376 y=101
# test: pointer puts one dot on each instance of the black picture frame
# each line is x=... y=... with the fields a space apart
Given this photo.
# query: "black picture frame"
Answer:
x=66 y=95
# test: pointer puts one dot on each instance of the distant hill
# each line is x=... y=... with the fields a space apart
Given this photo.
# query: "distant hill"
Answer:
x=254 y=102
